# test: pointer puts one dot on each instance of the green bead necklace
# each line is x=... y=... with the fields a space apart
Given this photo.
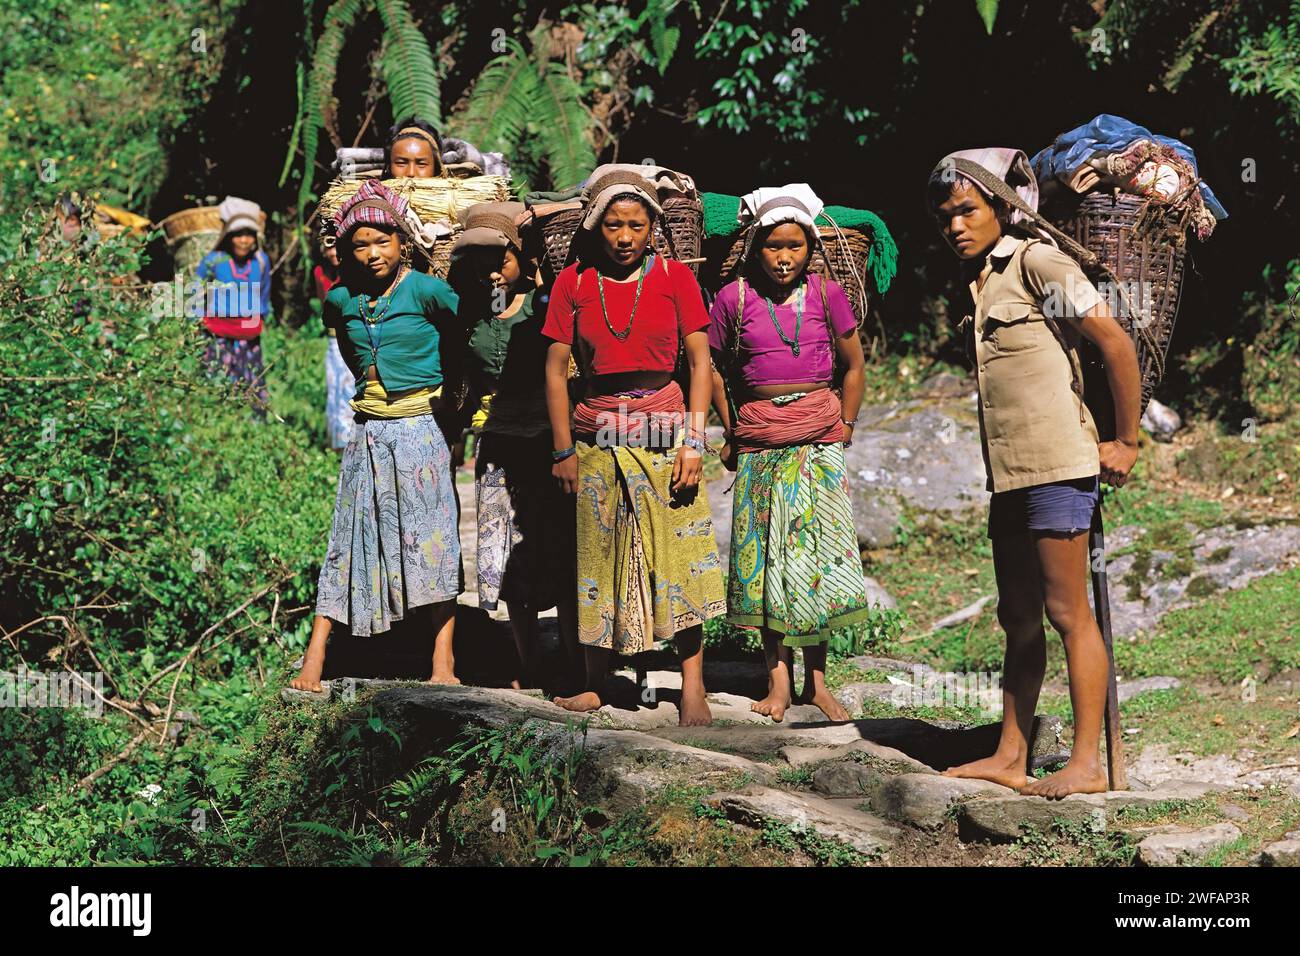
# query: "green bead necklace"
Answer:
x=793 y=344
x=600 y=287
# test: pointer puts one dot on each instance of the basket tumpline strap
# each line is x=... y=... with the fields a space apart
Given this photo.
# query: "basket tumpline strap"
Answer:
x=1003 y=191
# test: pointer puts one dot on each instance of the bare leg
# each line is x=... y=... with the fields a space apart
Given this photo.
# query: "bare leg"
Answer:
x=1064 y=563
x=313 y=662
x=1020 y=612
x=444 y=660
x=574 y=664
x=523 y=624
x=778 y=659
x=815 y=692
x=597 y=664
x=690 y=651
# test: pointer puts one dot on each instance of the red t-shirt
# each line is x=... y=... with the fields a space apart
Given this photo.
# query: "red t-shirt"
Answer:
x=324 y=281
x=671 y=308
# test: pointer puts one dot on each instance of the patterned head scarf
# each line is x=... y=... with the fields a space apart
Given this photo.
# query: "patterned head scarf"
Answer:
x=769 y=206
x=1009 y=165
x=374 y=204
x=606 y=183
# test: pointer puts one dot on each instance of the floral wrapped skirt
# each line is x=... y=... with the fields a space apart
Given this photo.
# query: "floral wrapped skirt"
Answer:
x=795 y=566
x=394 y=544
x=648 y=563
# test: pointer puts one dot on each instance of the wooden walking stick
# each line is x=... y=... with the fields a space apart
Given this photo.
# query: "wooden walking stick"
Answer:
x=1101 y=607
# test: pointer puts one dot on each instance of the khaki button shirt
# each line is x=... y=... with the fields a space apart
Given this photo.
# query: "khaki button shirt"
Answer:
x=1033 y=427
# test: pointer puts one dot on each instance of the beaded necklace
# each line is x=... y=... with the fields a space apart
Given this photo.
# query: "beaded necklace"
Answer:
x=374 y=318
x=248 y=269
x=793 y=344
x=600 y=287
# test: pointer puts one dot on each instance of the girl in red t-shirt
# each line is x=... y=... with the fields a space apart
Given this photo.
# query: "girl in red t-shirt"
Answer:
x=647 y=562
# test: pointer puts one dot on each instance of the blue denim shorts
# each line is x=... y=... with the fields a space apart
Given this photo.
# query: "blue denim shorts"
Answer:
x=1064 y=507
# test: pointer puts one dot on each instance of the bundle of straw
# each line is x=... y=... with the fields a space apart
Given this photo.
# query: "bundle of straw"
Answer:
x=440 y=198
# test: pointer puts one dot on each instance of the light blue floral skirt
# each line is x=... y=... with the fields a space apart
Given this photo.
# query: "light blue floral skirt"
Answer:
x=340 y=386
x=394 y=545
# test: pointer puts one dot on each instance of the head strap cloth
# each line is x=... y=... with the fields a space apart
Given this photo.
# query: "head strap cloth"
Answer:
x=1024 y=212
x=605 y=184
x=374 y=204
x=769 y=206
x=490 y=224
x=239 y=214
x=416 y=131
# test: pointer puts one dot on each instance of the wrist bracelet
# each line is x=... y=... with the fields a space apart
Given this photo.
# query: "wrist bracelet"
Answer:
x=849 y=422
x=558 y=456
x=690 y=441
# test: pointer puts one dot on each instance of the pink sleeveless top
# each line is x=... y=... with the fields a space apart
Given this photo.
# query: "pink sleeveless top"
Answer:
x=764 y=358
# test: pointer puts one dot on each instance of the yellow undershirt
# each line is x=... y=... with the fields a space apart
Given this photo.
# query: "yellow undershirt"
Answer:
x=376 y=403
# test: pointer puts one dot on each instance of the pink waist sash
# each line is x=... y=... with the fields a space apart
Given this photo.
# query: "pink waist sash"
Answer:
x=648 y=420
x=813 y=419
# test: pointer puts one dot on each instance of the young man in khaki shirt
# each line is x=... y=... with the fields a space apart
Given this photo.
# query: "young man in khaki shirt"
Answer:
x=1041 y=453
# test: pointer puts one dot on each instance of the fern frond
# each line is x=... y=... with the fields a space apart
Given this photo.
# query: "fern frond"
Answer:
x=320 y=87
x=563 y=127
x=665 y=40
x=501 y=102
x=407 y=62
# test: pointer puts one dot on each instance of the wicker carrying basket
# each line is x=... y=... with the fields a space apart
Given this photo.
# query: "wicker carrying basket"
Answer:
x=187 y=222
x=677 y=234
x=1143 y=245
x=848 y=250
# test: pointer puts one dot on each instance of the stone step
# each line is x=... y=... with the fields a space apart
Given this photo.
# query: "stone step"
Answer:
x=999 y=819
x=835 y=819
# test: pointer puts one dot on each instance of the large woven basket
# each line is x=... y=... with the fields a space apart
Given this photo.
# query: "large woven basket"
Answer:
x=848 y=250
x=1142 y=244
x=559 y=229
x=440 y=256
x=187 y=222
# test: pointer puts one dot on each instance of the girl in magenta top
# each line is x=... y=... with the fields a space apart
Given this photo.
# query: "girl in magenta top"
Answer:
x=776 y=334
x=765 y=358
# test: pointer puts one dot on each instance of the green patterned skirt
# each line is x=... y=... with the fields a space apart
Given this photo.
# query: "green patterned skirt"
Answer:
x=648 y=563
x=795 y=566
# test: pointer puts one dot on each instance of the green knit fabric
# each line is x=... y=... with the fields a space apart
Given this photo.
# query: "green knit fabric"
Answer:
x=720 y=211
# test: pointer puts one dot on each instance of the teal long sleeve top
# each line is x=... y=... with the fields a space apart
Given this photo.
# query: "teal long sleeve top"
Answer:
x=405 y=342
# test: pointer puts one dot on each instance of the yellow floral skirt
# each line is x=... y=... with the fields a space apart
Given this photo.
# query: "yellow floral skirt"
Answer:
x=648 y=563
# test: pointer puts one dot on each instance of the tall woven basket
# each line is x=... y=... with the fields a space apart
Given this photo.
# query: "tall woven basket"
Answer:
x=1143 y=245
x=848 y=251
x=678 y=234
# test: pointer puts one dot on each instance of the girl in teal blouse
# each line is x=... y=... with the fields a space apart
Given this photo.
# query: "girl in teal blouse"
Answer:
x=394 y=550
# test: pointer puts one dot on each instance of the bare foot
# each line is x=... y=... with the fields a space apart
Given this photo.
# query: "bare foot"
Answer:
x=825 y=701
x=309 y=677
x=773 y=705
x=583 y=703
x=1072 y=778
x=694 y=709
x=1009 y=773
x=441 y=676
